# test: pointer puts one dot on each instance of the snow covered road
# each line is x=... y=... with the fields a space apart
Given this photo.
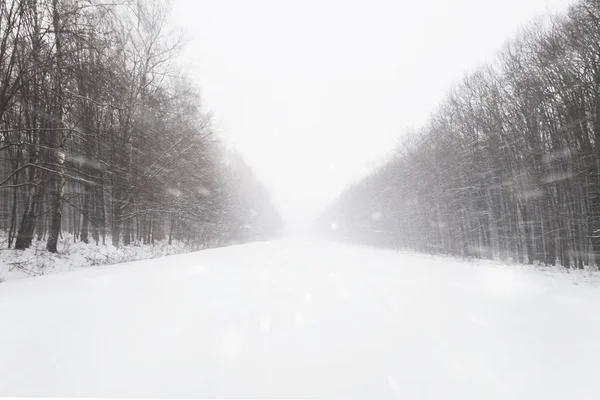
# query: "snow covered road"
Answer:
x=299 y=319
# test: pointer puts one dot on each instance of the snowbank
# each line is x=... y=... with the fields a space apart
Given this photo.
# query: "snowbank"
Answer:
x=36 y=261
x=588 y=275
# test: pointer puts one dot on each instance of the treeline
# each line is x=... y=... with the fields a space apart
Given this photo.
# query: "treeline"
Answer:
x=101 y=136
x=507 y=168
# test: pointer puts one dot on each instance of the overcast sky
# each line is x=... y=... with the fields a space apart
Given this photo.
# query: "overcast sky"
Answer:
x=314 y=93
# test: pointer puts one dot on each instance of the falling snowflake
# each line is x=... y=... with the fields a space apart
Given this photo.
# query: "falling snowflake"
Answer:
x=174 y=192
x=203 y=191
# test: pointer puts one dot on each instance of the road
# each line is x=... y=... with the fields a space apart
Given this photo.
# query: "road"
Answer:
x=300 y=319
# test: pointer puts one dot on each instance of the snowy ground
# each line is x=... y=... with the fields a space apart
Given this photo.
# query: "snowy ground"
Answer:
x=37 y=261
x=303 y=320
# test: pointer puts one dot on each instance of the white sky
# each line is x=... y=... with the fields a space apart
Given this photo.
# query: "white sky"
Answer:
x=314 y=93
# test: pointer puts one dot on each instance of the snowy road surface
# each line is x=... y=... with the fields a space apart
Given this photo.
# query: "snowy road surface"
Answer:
x=300 y=320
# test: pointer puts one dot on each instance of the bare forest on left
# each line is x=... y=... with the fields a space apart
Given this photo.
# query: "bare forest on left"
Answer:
x=103 y=137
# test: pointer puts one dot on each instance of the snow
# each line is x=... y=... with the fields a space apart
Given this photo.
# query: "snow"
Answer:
x=301 y=319
x=36 y=260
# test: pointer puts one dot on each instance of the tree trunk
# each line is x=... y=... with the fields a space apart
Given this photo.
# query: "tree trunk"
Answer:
x=86 y=215
x=26 y=228
x=56 y=155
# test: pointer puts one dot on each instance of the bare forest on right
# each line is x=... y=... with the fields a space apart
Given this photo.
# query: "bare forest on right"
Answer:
x=508 y=167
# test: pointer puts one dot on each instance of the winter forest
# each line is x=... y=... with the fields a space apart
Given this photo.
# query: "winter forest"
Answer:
x=293 y=199
x=104 y=139
x=508 y=166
